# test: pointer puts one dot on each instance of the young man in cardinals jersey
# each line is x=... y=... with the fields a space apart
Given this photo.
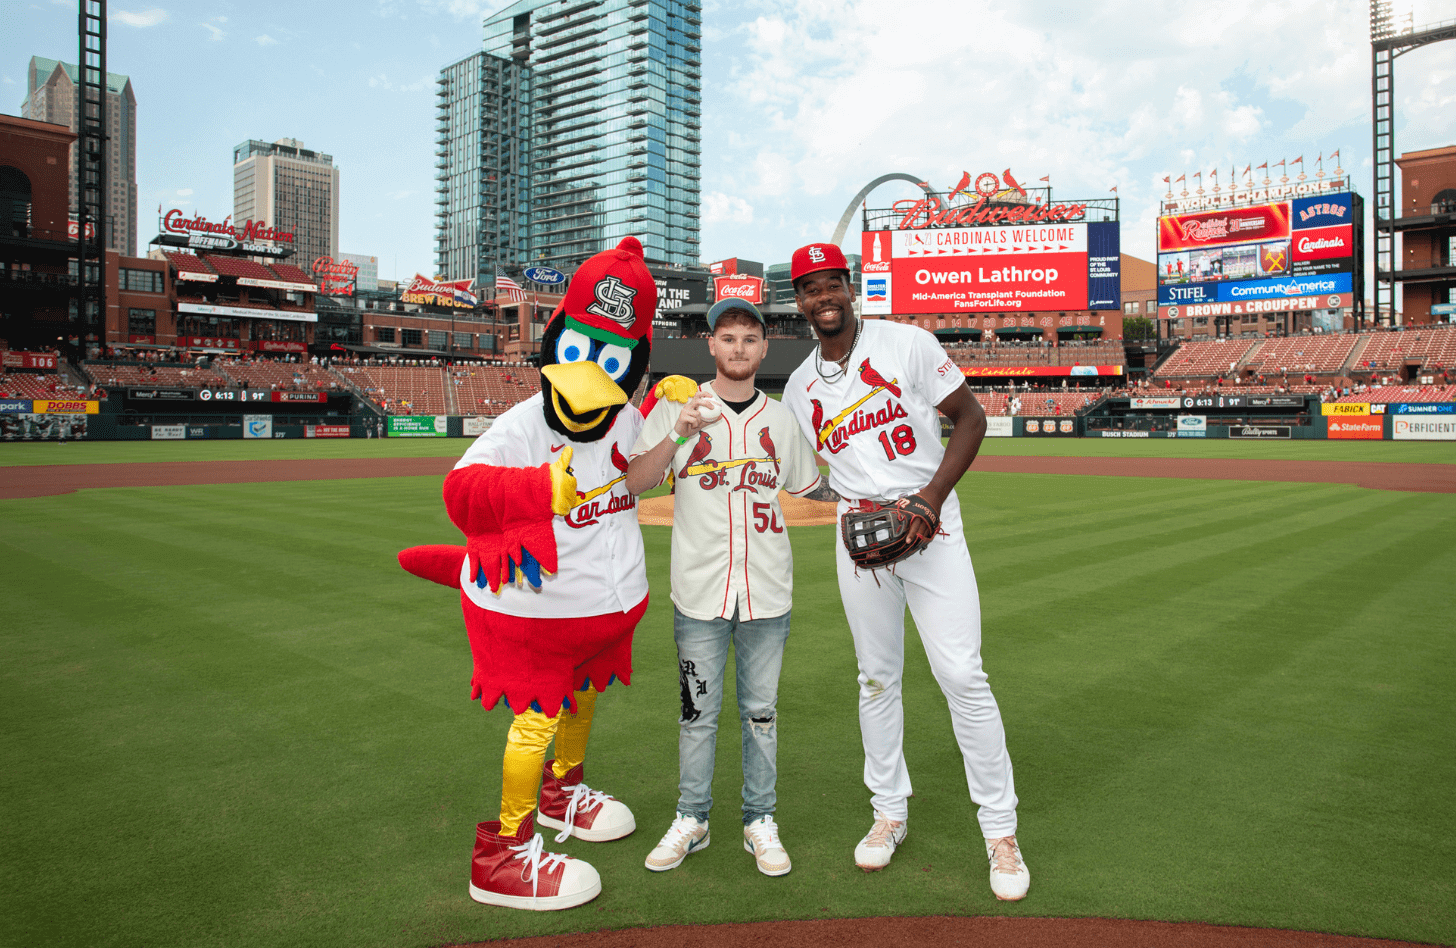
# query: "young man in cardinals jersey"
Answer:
x=867 y=399
x=731 y=449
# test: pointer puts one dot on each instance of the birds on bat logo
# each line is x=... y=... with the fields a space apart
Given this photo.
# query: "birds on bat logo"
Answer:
x=591 y=510
x=834 y=433
x=740 y=473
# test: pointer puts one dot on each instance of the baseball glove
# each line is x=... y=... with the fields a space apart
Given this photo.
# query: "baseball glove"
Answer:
x=880 y=536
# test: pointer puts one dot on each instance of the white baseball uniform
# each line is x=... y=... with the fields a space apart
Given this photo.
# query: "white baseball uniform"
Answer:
x=878 y=427
x=729 y=548
x=587 y=583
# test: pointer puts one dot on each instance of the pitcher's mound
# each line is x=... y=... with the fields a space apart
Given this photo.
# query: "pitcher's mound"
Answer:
x=657 y=511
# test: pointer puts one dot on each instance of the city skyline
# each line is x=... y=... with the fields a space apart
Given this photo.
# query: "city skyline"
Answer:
x=801 y=106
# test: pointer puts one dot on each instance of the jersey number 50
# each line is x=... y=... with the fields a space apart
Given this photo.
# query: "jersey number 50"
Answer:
x=765 y=520
x=901 y=440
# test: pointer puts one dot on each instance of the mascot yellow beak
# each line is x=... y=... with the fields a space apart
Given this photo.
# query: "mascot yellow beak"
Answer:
x=585 y=388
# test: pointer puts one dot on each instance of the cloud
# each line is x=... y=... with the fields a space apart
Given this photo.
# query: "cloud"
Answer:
x=1090 y=94
x=459 y=9
x=398 y=195
x=724 y=208
x=217 y=34
x=265 y=40
x=184 y=192
x=143 y=18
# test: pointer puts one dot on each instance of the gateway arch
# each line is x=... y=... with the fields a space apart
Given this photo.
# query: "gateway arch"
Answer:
x=864 y=193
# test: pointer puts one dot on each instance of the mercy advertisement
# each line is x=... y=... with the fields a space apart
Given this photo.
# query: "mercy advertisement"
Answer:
x=1283 y=256
x=1035 y=268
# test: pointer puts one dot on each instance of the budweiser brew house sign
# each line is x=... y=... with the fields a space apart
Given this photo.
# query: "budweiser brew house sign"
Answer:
x=455 y=293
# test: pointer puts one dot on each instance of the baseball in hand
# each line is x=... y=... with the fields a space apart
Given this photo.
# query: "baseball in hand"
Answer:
x=710 y=411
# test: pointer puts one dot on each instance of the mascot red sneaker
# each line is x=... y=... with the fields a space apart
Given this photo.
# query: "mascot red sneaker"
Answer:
x=552 y=576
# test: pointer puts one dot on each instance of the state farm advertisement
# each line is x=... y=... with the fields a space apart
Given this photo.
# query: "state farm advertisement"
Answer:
x=1356 y=428
x=975 y=269
x=1239 y=226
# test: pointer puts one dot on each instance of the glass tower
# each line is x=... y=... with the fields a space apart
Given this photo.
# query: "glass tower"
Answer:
x=590 y=132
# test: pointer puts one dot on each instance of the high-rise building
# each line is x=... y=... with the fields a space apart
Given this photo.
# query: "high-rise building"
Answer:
x=481 y=157
x=290 y=188
x=578 y=124
x=50 y=88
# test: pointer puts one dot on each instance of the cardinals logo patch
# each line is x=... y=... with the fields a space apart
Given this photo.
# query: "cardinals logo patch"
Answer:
x=614 y=301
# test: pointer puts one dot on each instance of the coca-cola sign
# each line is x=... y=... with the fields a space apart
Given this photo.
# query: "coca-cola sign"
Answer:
x=176 y=222
x=336 y=277
x=746 y=288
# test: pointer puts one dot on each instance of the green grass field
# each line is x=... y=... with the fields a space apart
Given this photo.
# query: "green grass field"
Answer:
x=231 y=719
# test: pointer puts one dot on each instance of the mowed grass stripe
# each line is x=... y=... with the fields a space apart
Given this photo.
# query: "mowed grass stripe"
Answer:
x=236 y=709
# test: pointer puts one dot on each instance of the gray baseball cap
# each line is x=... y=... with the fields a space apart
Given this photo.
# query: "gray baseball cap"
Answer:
x=729 y=305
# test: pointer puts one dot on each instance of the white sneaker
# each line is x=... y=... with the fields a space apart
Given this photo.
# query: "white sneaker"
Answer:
x=686 y=835
x=761 y=837
x=875 y=850
x=1010 y=879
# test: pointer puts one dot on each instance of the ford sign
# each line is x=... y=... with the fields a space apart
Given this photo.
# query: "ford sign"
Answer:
x=545 y=275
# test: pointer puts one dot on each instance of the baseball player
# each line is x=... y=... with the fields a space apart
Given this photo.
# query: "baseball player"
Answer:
x=731 y=449
x=867 y=399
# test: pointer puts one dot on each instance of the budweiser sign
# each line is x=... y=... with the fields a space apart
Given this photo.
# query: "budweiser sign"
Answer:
x=336 y=277
x=175 y=222
x=747 y=288
x=994 y=199
x=453 y=293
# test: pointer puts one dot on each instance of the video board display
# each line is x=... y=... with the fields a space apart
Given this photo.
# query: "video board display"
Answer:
x=1034 y=268
x=1286 y=255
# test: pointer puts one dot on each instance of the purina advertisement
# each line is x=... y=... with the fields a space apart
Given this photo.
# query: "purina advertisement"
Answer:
x=1058 y=266
x=1287 y=255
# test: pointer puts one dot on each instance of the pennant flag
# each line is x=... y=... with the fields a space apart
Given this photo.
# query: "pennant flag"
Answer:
x=1113 y=189
x=510 y=287
x=1335 y=154
x=1047 y=179
x=1165 y=178
x=1298 y=161
x=1264 y=166
x=1249 y=168
x=1182 y=178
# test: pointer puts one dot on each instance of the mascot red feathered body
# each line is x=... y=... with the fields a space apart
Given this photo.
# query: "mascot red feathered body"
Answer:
x=552 y=576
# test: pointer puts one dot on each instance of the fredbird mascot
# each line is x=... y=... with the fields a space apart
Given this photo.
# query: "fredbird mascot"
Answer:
x=552 y=576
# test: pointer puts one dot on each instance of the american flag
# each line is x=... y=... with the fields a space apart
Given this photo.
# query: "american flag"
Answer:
x=512 y=289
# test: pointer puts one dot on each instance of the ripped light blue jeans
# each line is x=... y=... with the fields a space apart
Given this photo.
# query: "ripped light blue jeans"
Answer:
x=702 y=656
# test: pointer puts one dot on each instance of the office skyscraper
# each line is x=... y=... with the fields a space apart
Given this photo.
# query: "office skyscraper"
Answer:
x=50 y=88
x=292 y=189
x=576 y=125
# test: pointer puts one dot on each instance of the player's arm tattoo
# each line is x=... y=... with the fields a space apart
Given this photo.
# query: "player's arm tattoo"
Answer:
x=822 y=491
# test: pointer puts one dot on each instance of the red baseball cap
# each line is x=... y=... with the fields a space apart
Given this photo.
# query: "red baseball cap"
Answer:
x=816 y=257
x=612 y=296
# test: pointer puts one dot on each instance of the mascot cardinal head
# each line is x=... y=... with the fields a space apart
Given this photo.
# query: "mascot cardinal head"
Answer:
x=595 y=348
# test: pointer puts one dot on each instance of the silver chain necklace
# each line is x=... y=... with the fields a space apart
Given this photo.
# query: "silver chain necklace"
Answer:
x=841 y=366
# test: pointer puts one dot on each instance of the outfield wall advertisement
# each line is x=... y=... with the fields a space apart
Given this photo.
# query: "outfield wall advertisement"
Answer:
x=1423 y=428
x=416 y=426
x=1277 y=257
x=1060 y=266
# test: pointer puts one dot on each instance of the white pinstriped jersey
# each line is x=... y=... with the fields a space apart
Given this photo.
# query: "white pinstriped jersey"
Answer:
x=601 y=565
x=730 y=546
x=877 y=423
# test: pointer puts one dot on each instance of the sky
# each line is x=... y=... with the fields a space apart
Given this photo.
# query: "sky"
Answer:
x=803 y=103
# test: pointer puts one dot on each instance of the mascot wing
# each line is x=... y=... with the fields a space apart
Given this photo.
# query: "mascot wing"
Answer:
x=506 y=516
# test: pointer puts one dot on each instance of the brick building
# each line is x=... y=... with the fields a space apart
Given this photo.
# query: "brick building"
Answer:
x=37 y=292
x=1426 y=222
